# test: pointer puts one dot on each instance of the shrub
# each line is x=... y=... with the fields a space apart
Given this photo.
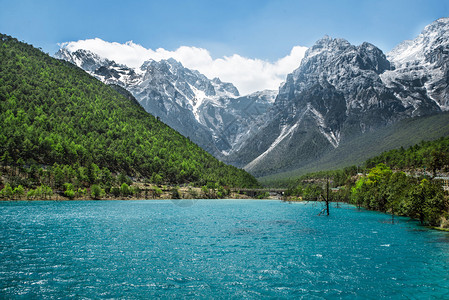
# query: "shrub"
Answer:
x=31 y=194
x=7 y=191
x=126 y=190
x=96 y=192
x=157 y=192
x=18 y=191
x=175 y=193
x=115 y=191
x=69 y=194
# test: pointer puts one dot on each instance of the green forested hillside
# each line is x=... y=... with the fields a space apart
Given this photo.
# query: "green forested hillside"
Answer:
x=357 y=150
x=393 y=182
x=430 y=155
x=58 y=120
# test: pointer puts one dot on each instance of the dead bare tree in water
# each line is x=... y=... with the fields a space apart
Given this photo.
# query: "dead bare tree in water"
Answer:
x=326 y=199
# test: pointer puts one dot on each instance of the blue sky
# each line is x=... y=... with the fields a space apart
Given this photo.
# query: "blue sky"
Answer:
x=252 y=28
x=251 y=43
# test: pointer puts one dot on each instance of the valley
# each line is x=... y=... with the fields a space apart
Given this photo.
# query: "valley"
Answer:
x=224 y=149
x=340 y=96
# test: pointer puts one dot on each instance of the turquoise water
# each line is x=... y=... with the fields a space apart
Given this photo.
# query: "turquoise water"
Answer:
x=215 y=249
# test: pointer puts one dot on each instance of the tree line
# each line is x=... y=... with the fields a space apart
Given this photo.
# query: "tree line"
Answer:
x=393 y=182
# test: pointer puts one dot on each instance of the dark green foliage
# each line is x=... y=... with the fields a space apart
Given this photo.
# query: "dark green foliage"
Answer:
x=213 y=190
x=157 y=192
x=311 y=186
x=125 y=190
x=18 y=192
x=7 y=191
x=399 y=194
x=175 y=193
x=115 y=191
x=427 y=202
x=122 y=178
x=96 y=192
x=54 y=114
x=42 y=192
x=433 y=155
x=371 y=191
x=385 y=190
x=69 y=192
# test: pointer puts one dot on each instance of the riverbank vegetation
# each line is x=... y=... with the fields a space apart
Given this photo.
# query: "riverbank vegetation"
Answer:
x=403 y=182
x=65 y=131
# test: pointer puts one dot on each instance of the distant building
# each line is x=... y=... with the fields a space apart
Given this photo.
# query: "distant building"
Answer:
x=445 y=182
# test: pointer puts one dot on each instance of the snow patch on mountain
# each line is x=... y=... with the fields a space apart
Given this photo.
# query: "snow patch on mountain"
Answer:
x=332 y=137
x=423 y=63
x=285 y=132
x=197 y=101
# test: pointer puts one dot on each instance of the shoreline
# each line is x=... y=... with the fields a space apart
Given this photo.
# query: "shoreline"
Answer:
x=145 y=192
x=133 y=198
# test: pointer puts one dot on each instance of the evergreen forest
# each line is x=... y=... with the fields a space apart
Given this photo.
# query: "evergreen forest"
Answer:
x=62 y=129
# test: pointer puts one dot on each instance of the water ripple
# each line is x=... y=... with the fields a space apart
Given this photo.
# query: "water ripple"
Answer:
x=215 y=249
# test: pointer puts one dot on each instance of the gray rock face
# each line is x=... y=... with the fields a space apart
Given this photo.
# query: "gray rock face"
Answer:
x=233 y=120
x=84 y=59
x=421 y=68
x=341 y=91
x=209 y=112
x=338 y=67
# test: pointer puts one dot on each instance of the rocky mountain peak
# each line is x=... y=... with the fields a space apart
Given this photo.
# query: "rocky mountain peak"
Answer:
x=372 y=58
x=338 y=92
x=341 y=91
x=84 y=59
x=329 y=43
x=208 y=111
x=346 y=67
x=434 y=37
x=422 y=66
x=329 y=55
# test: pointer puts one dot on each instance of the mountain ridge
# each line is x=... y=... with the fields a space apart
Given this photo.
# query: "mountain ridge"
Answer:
x=338 y=92
x=199 y=108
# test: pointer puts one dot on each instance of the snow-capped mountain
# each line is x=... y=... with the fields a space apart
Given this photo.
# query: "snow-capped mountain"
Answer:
x=341 y=91
x=234 y=119
x=421 y=66
x=84 y=59
x=209 y=112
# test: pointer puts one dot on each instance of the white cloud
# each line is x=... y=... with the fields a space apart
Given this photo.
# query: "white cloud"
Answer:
x=247 y=74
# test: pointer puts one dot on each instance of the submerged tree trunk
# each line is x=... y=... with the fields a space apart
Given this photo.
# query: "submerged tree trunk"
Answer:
x=326 y=199
x=327 y=196
x=392 y=215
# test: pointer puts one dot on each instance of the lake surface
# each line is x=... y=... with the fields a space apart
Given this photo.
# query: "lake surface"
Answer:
x=215 y=249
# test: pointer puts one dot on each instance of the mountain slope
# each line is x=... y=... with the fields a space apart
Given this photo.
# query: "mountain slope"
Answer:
x=185 y=99
x=356 y=151
x=421 y=66
x=53 y=112
x=341 y=91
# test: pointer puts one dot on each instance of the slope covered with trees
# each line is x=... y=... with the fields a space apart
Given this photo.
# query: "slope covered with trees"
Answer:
x=396 y=182
x=427 y=155
x=59 y=125
x=405 y=133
